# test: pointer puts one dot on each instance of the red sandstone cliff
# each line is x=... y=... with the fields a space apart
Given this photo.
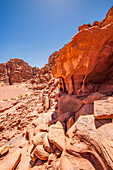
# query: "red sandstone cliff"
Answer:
x=86 y=62
x=76 y=133
x=16 y=71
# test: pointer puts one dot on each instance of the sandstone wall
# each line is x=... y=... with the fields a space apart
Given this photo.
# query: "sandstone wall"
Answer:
x=86 y=61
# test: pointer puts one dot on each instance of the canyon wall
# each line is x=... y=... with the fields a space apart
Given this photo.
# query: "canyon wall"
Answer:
x=86 y=62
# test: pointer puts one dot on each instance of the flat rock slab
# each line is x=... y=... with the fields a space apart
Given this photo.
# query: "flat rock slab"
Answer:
x=11 y=162
x=103 y=109
x=3 y=150
x=57 y=136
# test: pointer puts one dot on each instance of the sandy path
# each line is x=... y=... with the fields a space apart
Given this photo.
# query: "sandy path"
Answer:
x=13 y=91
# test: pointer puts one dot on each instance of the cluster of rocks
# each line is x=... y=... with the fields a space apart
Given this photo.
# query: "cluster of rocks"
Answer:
x=48 y=145
x=81 y=139
x=17 y=113
x=31 y=108
x=74 y=129
x=108 y=19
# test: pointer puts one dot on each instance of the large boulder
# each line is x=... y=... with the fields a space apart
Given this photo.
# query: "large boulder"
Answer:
x=92 y=97
x=88 y=146
x=103 y=109
x=68 y=103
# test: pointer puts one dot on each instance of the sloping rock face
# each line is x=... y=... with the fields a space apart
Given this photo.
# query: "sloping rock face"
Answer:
x=86 y=62
x=16 y=71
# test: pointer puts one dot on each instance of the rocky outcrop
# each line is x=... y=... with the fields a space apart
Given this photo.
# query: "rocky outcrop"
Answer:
x=88 y=145
x=59 y=130
x=86 y=62
x=4 y=78
x=16 y=71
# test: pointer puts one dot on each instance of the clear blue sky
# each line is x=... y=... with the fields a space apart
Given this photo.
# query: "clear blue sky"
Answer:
x=33 y=29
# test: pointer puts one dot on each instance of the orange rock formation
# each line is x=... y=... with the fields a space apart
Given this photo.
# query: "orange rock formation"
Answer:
x=88 y=58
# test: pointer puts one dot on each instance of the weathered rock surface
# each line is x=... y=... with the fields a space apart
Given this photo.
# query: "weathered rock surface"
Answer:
x=3 y=150
x=11 y=162
x=16 y=71
x=57 y=136
x=103 y=109
x=87 y=109
x=93 y=97
x=68 y=104
x=82 y=62
x=38 y=138
x=89 y=145
x=4 y=79
x=41 y=153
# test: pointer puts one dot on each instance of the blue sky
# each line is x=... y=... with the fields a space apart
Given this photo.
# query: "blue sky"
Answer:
x=33 y=29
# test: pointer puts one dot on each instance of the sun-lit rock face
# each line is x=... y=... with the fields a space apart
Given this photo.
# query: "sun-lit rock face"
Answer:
x=87 y=60
x=16 y=71
x=19 y=71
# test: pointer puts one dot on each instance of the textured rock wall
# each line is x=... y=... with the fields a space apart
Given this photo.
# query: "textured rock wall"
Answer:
x=16 y=71
x=3 y=74
x=87 y=60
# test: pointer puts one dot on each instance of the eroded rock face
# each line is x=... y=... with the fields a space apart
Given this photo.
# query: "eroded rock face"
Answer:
x=4 y=79
x=89 y=145
x=19 y=71
x=82 y=62
x=16 y=71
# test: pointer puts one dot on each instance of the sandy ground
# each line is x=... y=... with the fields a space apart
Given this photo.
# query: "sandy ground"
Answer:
x=13 y=91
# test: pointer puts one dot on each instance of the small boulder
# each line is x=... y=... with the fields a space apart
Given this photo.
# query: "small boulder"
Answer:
x=38 y=138
x=57 y=135
x=46 y=144
x=3 y=150
x=93 y=97
x=41 y=153
x=51 y=158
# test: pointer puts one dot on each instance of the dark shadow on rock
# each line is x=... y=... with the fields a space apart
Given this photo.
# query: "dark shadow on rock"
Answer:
x=99 y=122
x=96 y=164
x=87 y=109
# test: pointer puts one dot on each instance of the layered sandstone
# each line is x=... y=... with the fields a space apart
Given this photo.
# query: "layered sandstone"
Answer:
x=86 y=62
